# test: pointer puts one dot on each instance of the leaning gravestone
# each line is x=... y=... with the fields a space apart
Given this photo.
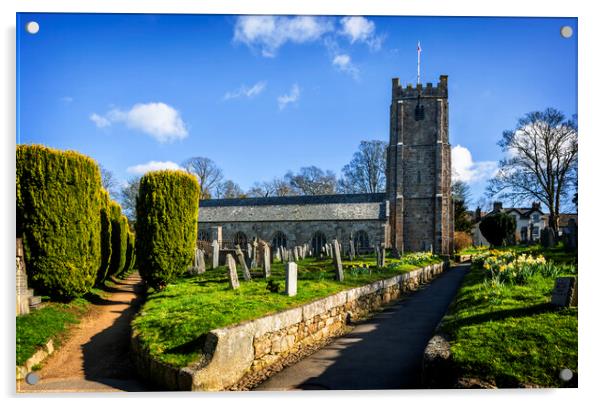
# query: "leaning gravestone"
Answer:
x=564 y=291
x=242 y=262
x=291 y=279
x=233 y=276
x=215 y=254
x=351 y=250
x=338 y=265
x=267 y=271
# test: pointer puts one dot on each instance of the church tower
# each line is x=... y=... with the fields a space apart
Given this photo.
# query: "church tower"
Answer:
x=419 y=169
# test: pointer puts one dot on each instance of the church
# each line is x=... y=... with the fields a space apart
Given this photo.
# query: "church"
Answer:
x=415 y=213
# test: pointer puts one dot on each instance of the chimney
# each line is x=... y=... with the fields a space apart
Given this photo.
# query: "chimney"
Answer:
x=477 y=214
x=497 y=206
x=536 y=206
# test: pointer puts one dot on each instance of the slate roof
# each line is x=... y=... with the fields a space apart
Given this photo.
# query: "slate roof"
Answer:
x=343 y=207
x=282 y=200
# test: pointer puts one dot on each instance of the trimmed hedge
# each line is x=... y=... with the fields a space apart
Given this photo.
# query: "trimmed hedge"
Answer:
x=498 y=228
x=58 y=215
x=119 y=229
x=166 y=225
x=105 y=237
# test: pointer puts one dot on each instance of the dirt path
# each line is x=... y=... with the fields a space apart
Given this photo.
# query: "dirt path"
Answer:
x=96 y=356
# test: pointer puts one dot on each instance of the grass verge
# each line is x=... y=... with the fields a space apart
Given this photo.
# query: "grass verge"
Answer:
x=509 y=334
x=52 y=321
x=173 y=321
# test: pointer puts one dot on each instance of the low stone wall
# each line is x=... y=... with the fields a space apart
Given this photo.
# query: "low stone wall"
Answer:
x=232 y=352
x=39 y=356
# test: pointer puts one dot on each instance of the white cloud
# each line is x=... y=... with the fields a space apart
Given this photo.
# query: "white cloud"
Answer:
x=159 y=120
x=269 y=33
x=467 y=170
x=100 y=121
x=152 y=166
x=247 y=92
x=292 y=97
x=360 y=29
x=343 y=63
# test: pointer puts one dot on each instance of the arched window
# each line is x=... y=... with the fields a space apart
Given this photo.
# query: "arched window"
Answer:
x=361 y=241
x=317 y=242
x=203 y=235
x=240 y=238
x=279 y=240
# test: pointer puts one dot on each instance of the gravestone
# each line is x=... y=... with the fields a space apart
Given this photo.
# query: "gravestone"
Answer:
x=329 y=250
x=233 y=276
x=382 y=256
x=254 y=254
x=572 y=235
x=564 y=290
x=198 y=265
x=296 y=253
x=303 y=247
x=547 y=238
x=278 y=257
x=22 y=289
x=338 y=264
x=267 y=269
x=249 y=250
x=351 y=250
x=291 y=279
x=242 y=262
x=215 y=254
x=377 y=254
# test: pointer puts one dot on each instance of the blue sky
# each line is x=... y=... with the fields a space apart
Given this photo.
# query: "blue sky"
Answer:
x=264 y=95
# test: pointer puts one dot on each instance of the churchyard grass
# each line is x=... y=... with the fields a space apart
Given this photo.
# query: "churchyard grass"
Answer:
x=53 y=321
x=50 y=322
x=173 y=321
x=508 y=333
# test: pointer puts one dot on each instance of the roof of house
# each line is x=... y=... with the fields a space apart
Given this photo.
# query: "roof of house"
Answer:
x=563 y=219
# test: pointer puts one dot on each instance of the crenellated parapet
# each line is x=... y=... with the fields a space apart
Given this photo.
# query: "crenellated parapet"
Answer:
x=411 y=92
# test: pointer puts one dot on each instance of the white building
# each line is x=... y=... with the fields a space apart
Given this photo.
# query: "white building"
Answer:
x=529 y=223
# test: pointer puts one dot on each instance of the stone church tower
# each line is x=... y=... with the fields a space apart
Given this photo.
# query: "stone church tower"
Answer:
x=419 y=169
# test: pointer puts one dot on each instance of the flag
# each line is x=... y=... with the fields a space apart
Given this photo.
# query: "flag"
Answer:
x=418 y=48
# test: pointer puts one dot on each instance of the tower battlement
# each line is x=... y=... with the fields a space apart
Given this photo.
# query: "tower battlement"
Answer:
x=411 y=92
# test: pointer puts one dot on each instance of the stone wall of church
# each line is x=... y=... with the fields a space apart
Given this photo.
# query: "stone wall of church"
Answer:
x=299 y=232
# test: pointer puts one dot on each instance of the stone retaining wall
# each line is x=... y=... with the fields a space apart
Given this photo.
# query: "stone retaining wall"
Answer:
x=232 y=352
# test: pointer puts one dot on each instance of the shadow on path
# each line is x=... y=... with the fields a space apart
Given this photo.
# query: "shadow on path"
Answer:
x=384 y=352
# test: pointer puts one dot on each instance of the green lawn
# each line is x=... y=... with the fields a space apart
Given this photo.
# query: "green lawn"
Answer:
x=52 y=321
x=509 y=334
x=173 y=321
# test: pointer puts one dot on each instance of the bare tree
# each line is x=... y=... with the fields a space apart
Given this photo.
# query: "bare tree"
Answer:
x=541 y=162
x=127 y=197
x=109 y=182
x=275 y=187
x=207 y=172
x=366 y=171
x=228 y=190
x=312 y=180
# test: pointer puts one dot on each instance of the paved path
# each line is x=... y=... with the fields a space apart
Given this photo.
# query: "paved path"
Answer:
x=96 y=355
x=384 y=352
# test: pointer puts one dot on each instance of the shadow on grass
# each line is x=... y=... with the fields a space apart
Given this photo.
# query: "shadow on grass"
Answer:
x=500 y=315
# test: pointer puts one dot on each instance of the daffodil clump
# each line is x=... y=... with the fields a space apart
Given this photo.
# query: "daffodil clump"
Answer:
x=508 y=267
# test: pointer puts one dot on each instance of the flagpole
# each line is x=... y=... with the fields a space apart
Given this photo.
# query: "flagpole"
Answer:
x=419 y=50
